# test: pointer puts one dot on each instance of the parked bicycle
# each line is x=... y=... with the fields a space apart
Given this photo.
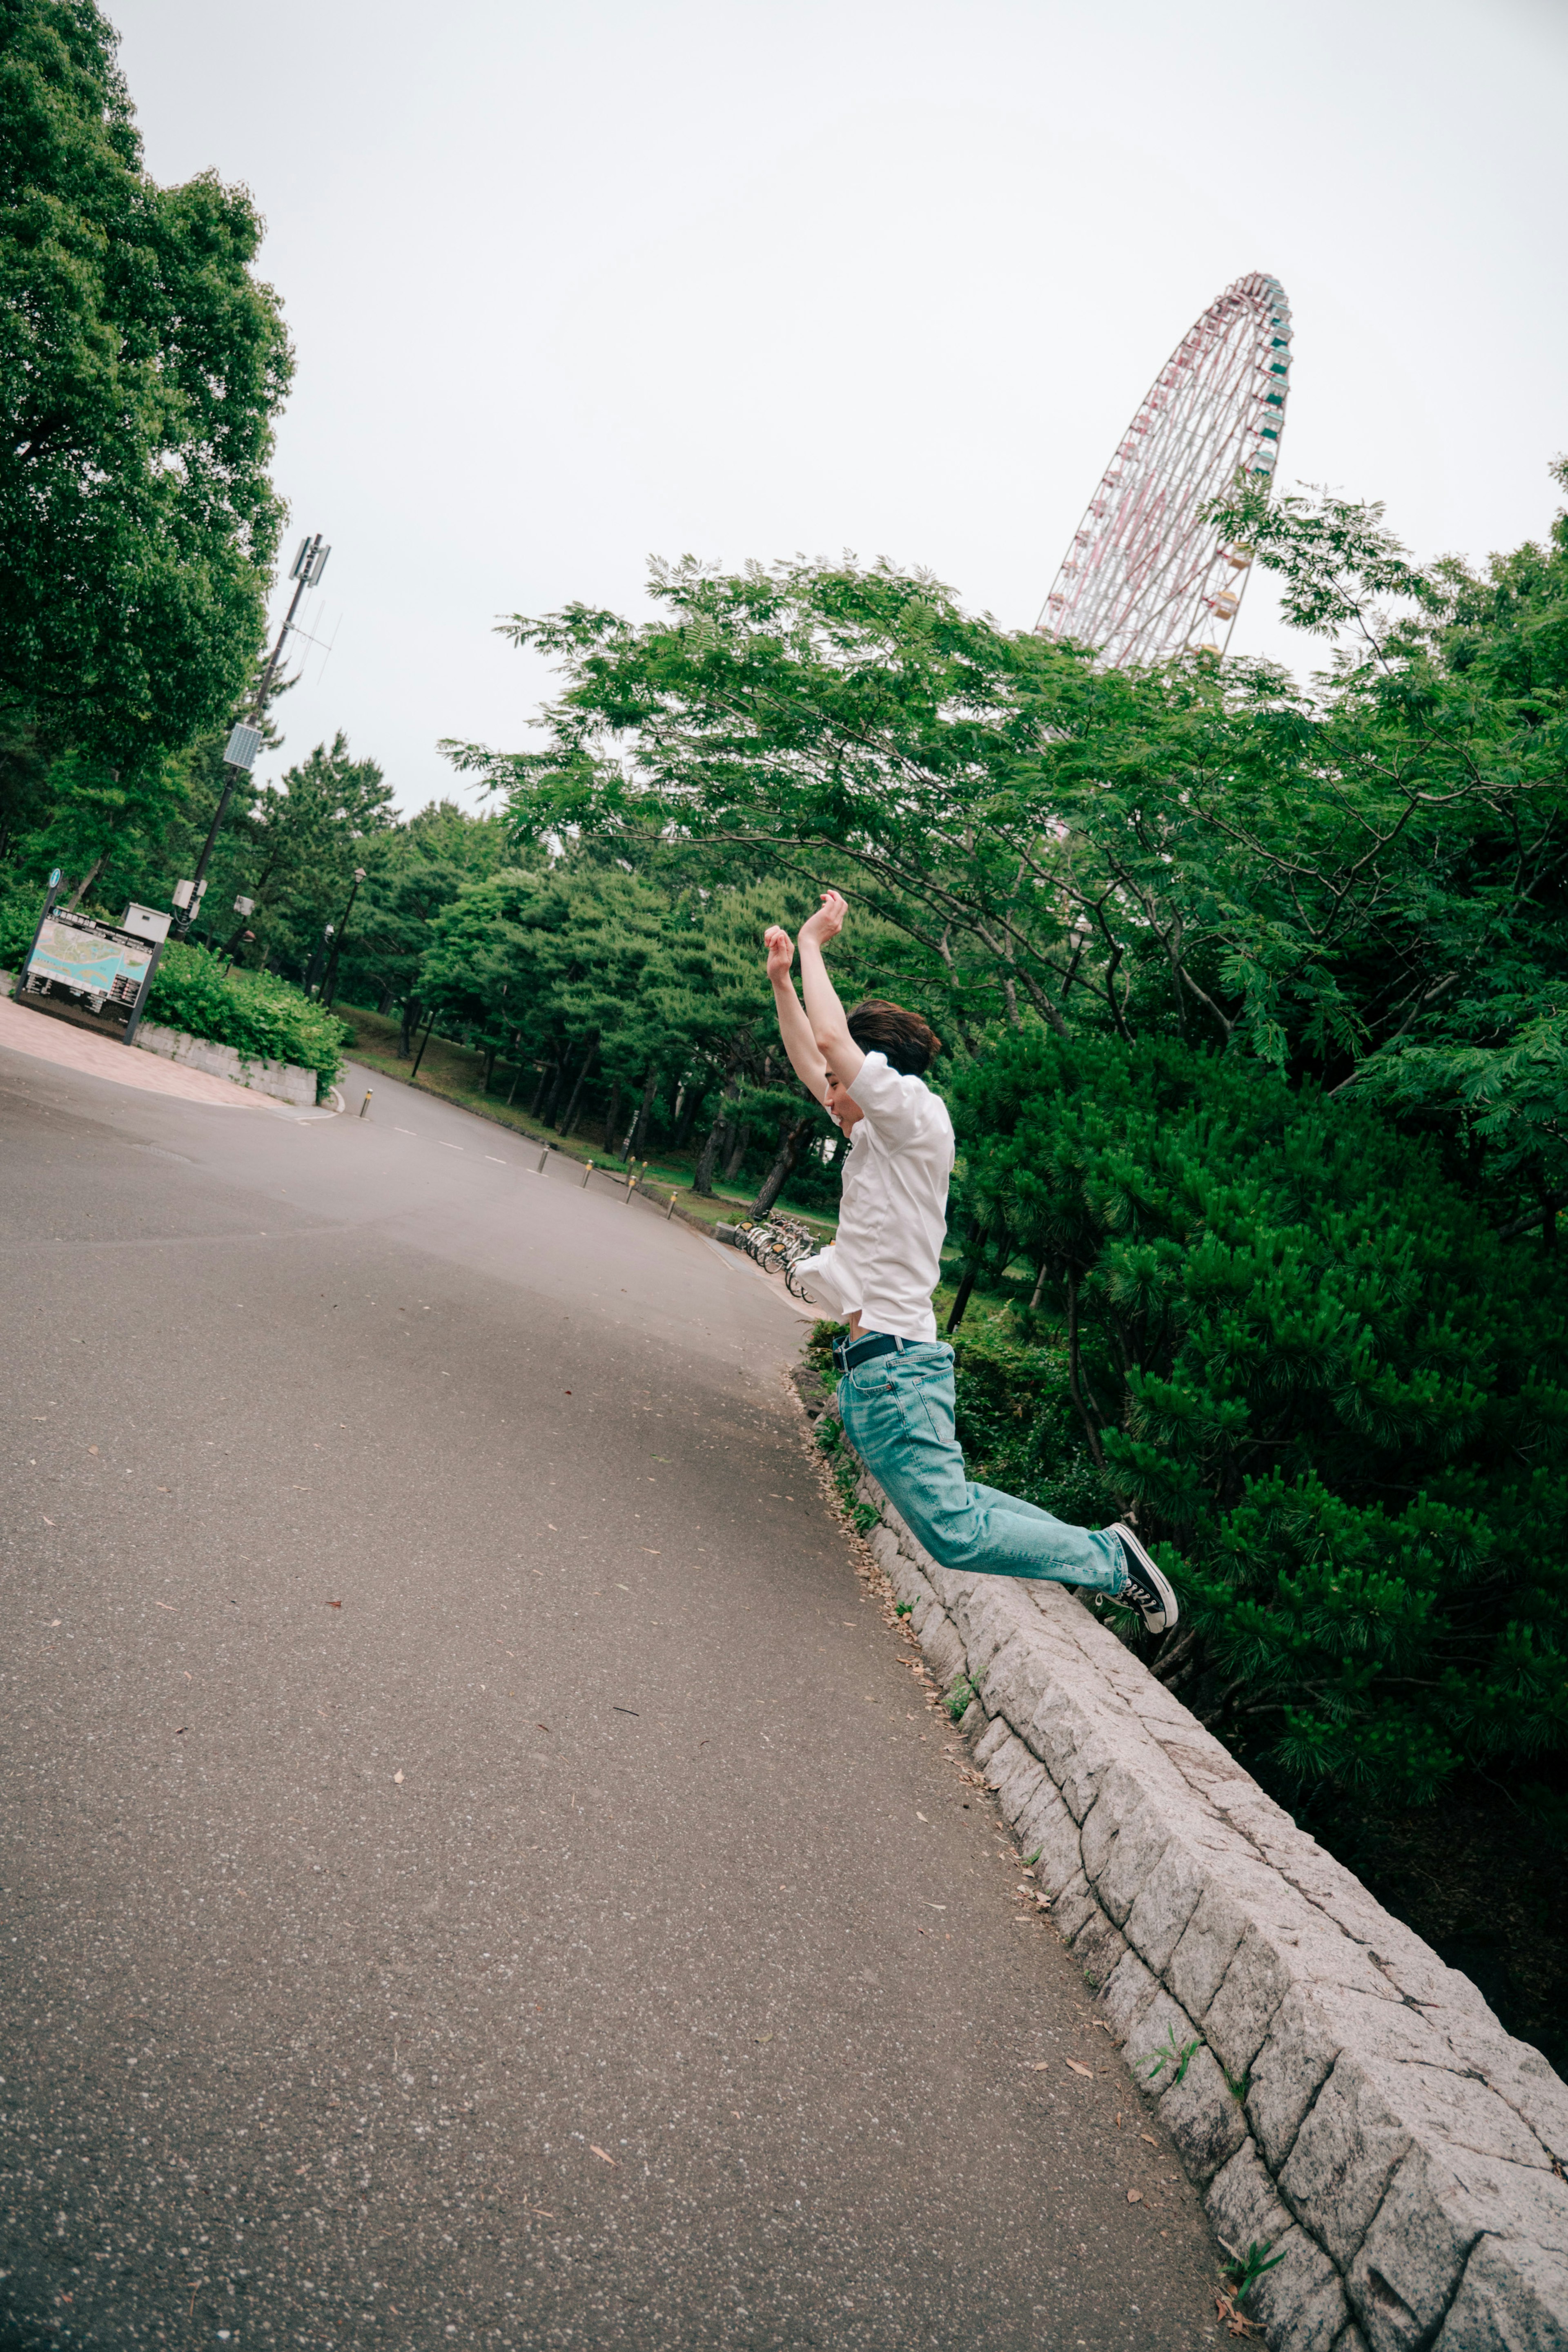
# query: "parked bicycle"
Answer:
x=779 y=1245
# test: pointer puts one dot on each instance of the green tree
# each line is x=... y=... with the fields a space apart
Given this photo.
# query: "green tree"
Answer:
x=301 y=844
x=414 y=870
x=141 y=365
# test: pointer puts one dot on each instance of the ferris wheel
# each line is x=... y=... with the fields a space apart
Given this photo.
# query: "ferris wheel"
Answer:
x=1145 y=576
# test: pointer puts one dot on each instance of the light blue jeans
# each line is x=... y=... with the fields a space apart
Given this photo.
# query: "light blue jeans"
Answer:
x=898 y=1415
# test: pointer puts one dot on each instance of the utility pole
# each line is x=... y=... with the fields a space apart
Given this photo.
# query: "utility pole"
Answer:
x=244 y=741
x=328 y=986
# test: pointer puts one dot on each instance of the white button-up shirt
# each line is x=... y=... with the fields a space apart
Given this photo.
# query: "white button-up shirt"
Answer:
x=887 y=1258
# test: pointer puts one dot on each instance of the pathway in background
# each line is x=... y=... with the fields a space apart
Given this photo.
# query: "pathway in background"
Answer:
x=476 y=1871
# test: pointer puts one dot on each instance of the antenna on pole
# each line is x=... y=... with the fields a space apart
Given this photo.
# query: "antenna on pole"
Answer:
x=245 y=743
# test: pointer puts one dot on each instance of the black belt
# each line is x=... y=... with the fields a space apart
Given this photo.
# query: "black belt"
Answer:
x=862 y=1352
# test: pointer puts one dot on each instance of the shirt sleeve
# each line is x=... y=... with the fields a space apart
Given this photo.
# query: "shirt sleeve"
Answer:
x=902 y=1110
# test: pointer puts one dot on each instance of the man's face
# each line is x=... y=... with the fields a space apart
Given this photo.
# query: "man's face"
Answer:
x=842 y=1105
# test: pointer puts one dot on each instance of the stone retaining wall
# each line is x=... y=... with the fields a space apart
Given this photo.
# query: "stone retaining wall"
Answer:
x=1344 y=2098
x=285 y=1080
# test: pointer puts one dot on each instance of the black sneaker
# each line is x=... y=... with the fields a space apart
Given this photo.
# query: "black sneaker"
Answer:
x=1148 y=1590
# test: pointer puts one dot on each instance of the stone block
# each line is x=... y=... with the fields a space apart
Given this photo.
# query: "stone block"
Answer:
x=980 y=1620
x=1206 y=1947
x=1349 y=2340
x=1127 y=1993
x=1238 y=2019
x=1298 y=2053
x=1068 y=1735
x=943 y=1651
x=1160 y=2026
x=1300 y=2304
x=1529 y=2203
x=1514 y=2070
x=1097 y=1947
x=1344 y=2156
x=883 y=1546
x=1243 y=2203
x=1202 y=2117
x=1513 y=2298
x=1164 y=1904
x=996 y=1732
x=1439 y=2105
x=1404 y=2276
x=1018 y=1791
x=1061 y=1860
x=1039 y=1818
x=1014 y=1682
x=972 y=1722
x=1139 y=1848
x=1072 y=1907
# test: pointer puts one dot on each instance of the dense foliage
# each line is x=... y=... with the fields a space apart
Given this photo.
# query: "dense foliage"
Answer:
x=141 y=367
x=1290 y=1338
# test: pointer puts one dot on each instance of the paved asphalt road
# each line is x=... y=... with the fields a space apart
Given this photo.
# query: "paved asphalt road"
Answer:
x=475 y=1869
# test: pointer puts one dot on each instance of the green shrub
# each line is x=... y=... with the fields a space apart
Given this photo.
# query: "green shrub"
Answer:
x=1338 y=1399
x=19 y=910
x=257 y=1015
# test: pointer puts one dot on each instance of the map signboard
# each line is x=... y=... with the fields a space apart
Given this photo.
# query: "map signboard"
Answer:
x=90 y=959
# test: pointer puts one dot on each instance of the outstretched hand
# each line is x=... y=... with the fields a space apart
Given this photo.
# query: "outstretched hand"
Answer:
x=827 y=921
x=780 y=951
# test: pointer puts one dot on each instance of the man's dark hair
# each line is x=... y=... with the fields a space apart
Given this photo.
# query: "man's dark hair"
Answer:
x=909 y=1044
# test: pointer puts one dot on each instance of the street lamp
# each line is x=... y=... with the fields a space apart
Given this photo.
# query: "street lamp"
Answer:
x=330 y=984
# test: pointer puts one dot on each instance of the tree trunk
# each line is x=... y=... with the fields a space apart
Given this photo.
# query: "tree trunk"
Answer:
x=637 y=1133
x=738 y=1150
x=385 y=1006
x=410 y=1022
x=489 y=1068
x=977 y=1234
x=611 y=1113
x=792 y=1136
x=539 y=1090
x=708 y=1159
x=588 y=1061
x=85 y=884
x=552 y=1093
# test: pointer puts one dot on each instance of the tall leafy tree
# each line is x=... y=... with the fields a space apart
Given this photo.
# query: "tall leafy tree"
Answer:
x=304 y=840
x=141 y=365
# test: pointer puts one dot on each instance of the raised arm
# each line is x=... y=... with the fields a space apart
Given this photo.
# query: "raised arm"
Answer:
x=830 y=1029
x=793 y=1026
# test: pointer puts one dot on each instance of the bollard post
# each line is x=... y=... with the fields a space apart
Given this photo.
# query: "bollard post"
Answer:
x=630 y=1184
x=586 y=1174
x=544 y=1155
x=366 y=1104
x=670 y=1211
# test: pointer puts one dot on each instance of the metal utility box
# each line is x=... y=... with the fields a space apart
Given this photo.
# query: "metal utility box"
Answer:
x=145 y=921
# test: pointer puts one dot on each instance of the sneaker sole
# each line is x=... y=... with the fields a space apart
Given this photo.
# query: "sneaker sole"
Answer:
x=1157 y=1577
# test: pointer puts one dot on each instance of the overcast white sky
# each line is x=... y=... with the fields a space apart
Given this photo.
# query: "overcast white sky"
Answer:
x=571 y=284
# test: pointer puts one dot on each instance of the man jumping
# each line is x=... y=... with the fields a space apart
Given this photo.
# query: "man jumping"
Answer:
x=866 y=1069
